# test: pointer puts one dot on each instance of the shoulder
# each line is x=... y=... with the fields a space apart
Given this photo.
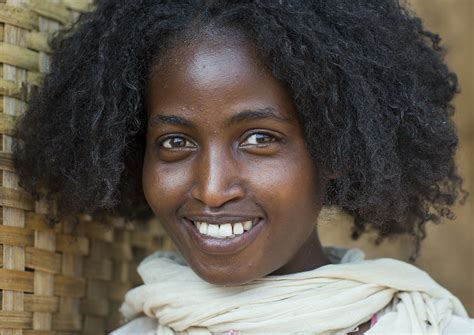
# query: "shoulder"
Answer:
x=139 y=326
x=459 y=325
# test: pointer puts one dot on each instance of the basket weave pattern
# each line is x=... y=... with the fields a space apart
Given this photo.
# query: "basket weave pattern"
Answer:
x=70 y=278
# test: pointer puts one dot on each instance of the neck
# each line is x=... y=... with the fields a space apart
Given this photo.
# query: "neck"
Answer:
x=309 y=257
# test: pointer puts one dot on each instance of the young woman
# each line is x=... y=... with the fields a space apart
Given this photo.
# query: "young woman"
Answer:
x=235 y=122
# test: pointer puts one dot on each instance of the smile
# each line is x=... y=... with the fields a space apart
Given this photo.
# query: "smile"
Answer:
x=226 y=230
x=223 y=238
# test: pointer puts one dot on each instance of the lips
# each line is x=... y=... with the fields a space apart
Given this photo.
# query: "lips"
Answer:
x=222 y=245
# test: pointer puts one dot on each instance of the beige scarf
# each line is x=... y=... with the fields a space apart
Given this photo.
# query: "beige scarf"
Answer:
x=331 y=299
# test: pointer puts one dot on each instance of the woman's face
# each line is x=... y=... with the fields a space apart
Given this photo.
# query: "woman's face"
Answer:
x=225 y=151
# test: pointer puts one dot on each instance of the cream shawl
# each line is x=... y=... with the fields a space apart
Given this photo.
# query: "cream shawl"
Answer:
x=331 y=299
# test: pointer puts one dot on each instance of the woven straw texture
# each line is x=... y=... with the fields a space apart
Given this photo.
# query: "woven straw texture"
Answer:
x=56 y=280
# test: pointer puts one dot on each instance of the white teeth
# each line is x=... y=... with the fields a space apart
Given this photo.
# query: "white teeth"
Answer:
x=238 y=229
x=247 y=225
x=203 y=228
x=213 y=230
x=225 y=230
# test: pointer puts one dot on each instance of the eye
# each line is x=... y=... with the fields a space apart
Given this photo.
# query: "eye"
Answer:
x=259 y=139
x=176 y=142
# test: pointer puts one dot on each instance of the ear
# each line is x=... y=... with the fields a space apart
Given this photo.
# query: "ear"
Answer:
x=334 y=175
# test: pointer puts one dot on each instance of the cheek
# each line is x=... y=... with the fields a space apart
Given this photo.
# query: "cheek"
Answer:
x=289 y=193
x=288 y=185
x=163 y=186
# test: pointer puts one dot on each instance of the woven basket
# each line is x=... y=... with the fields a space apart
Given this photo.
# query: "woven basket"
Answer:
x=60 y=280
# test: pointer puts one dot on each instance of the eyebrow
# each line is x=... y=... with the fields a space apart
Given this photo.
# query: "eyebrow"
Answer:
x=256 y=114
x=172 y=120
x=245 y=115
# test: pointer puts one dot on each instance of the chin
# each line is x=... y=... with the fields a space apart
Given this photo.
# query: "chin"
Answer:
x=224 y=277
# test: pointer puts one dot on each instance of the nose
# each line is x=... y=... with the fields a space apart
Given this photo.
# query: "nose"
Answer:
x=216 y=178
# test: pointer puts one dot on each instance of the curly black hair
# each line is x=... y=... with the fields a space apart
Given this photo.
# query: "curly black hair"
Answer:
x=369 y=84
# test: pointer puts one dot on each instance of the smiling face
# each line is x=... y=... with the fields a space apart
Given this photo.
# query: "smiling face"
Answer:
x=225 y=147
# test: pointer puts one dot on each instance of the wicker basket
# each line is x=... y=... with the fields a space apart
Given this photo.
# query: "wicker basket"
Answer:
x=54 y=280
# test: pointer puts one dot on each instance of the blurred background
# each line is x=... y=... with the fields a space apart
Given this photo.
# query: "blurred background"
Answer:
x=447 y=253
x=52 y=280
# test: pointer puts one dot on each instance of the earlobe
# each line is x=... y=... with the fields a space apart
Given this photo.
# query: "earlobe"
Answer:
x=333 y=175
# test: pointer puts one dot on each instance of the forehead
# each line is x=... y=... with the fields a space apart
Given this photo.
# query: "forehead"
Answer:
x=214 y=49
x=217 y=72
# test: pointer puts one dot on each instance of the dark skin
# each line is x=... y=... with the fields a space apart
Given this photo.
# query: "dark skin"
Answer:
x=223 y=138
x=198 y=161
